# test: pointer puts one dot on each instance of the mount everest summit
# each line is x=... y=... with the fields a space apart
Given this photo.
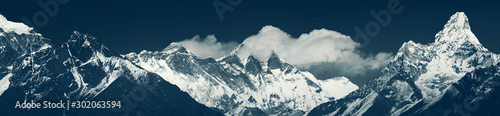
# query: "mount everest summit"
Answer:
x=454 y=75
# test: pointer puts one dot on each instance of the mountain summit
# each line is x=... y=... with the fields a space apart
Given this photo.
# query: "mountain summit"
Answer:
x=427 y=79
x=81 y=69
x=457 y=30
x=242 y=86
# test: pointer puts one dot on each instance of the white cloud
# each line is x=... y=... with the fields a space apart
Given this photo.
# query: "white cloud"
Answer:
x=208 y=47
x=316 y=47
x=319 y=47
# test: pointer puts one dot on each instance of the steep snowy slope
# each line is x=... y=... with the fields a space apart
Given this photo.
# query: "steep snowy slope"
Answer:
x=81 y=69
x=419 y=76
x=242 y=86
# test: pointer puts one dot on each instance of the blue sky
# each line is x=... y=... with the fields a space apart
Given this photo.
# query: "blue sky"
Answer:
x=132 y=25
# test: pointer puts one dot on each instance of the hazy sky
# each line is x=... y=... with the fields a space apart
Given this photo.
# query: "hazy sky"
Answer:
x=134 y=25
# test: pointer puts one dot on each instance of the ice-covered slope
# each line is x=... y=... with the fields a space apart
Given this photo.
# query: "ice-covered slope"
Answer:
x=419 y=75
x=339 y=87
x=15 y=27
x=242 y=86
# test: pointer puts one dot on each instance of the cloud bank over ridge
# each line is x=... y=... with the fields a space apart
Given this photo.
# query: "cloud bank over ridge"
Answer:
x=317 y=48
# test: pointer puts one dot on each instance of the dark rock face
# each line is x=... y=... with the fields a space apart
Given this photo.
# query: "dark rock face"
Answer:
x=84 y=69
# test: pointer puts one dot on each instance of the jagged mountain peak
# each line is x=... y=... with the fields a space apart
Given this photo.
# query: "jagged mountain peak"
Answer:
x=273 y=55
x=83 y=46
x=78 y=37
x=407 y=48
x=252 y=64
x=252 y=58
x=80 y=40
x=274 y=61
x=457 y=30
x=456 y=37
x=175 y=47
x=420 y=75
x=458 y=21
x=232 y=59
x=243 y=54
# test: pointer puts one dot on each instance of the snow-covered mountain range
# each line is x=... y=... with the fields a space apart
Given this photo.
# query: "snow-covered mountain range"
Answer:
x=453 y=75
x=242 y=86
x=429 y=79
x=84 y=69
x=31 y=68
